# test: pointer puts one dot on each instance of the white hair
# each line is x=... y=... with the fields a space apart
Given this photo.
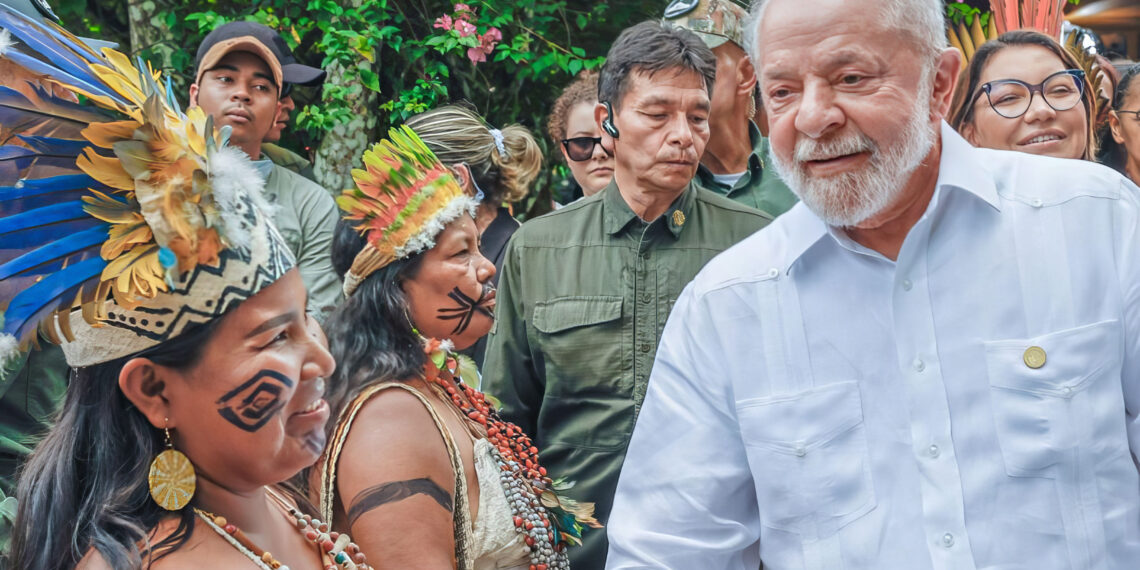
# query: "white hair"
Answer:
x=921 y=21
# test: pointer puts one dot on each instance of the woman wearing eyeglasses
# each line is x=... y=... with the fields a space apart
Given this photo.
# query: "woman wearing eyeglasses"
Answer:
x=1024 y=92
x=1124 y=124
x=573 y=128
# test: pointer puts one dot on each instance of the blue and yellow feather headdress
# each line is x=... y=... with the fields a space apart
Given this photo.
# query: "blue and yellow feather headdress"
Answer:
x=123 y=220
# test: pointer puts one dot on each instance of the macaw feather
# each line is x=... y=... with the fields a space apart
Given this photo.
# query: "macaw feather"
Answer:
x=136 y=275
x=32 y=305
x=105 y=135
x=46 y=258
x=106 y=170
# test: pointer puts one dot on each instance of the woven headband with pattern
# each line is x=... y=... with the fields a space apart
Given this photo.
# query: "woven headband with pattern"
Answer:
x=123 y=221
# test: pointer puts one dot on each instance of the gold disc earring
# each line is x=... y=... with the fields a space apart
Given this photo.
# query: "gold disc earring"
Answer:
x=172 y=480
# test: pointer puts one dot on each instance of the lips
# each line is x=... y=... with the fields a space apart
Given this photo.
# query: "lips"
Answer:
x=1042 y=137
x=239 y=114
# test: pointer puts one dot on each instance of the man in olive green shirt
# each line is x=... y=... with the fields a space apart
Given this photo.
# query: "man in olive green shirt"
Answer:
x=585 y=290
x=238 y=82
x=733 y=163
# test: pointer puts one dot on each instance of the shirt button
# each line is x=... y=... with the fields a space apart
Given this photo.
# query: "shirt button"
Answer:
x=906 y=284
x=1066 y=391
x=800 y=451
x=933 y=451
x=773 y=272
x=947 y=540
x=1037 y=202
x=645 y=298
x=644 y=347
x=919 y=365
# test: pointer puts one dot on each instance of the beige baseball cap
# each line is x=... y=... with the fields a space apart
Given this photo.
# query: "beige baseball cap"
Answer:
x=219 y=49
x=714 y=21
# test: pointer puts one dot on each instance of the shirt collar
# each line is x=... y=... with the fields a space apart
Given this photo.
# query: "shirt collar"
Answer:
x=264 y=167
x=959 y=167
x=617 y=214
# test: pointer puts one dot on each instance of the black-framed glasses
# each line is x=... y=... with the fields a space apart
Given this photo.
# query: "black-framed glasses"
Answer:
x=580 y=149
x=1133 y=113
x=1011 y=98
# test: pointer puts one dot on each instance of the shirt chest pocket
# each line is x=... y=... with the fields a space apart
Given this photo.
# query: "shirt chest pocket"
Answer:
x=583 y=343
x=809 y=458
x=1056 y=396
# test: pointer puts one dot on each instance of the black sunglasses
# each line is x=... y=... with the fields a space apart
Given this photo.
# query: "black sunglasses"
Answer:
x=286 y=90
x=580 y=149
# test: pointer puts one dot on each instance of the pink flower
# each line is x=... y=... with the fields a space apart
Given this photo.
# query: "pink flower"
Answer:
x=443 y=22
x=493 y=36
x=465 y=28
x=462 y=8
x=476 y=54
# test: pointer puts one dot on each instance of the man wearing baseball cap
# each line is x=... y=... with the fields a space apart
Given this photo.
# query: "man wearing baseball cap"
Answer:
x=733 y=163
x=242 y=70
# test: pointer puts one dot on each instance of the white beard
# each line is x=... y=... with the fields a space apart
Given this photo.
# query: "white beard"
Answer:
x=852 y=197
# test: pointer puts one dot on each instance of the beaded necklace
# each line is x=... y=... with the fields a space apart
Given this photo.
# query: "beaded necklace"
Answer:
x=547 y=522
x=337 y=546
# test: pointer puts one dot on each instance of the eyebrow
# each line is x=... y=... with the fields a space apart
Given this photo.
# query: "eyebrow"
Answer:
x=703 y=105
x=225 y=67
x=272 y=323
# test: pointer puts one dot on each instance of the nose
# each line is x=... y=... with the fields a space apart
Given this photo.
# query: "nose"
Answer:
x=240 y=94
x=599 y=153
x=817 y=113
x=680 y=131
x=484 y=269
x=1039 y=110
x=319 y=362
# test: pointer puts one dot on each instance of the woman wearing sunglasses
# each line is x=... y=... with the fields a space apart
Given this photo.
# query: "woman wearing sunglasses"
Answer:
x=1024 y=92
x=1124 y=123
x=573 y=128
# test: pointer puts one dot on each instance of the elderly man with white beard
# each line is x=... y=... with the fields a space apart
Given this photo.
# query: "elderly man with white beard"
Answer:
x=931 y=362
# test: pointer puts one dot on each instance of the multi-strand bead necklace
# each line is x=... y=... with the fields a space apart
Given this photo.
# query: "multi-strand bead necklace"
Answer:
x=523 y=480
x=337 y=547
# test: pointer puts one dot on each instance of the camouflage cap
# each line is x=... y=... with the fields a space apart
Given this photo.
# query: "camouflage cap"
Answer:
x=715 y=21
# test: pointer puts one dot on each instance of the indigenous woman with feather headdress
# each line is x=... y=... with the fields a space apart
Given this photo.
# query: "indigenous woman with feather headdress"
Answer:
x=133 y=236
x=419 y=466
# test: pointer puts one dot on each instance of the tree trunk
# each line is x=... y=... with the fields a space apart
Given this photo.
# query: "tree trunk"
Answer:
x=341 y=148
x=150 y=36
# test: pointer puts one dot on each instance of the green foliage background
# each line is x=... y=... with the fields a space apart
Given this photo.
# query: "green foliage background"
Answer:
x=393 y=49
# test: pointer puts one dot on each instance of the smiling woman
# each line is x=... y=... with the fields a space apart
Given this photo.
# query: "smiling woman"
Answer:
x=1022 y=91
x=197 y=379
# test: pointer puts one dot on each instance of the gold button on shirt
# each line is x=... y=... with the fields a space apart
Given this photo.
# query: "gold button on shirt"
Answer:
x=1034 y=357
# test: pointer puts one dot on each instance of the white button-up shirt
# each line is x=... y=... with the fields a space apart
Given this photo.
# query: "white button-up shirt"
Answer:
x=971 y=405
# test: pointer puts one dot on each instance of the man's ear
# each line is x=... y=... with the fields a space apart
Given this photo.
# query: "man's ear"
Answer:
x=745 y=76
x=193 y=94
x=946 y=71
x=600 y=114
x=144 y=383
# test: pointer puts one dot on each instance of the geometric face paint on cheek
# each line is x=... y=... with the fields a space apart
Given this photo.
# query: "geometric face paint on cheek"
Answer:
x=255 y=402
x=465 y=308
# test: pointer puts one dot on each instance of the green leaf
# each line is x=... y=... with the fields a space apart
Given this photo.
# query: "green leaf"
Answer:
x=575 y=66
x=370 y=79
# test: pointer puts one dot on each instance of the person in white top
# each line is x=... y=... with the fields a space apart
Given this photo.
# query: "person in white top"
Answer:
x=931 y=362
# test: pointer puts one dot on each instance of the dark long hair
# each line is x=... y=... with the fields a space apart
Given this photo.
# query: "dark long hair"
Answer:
x=85 y=485
x=370 y=335
x=962 y=108
x=1113 y=153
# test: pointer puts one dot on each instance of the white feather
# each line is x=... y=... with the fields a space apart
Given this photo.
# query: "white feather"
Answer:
x=425 y=239
x=232 y=176
x=6 y=42
x=9 y=348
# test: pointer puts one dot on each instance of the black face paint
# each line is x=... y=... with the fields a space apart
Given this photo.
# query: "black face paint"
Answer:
x=466 y=309
x=252 y=404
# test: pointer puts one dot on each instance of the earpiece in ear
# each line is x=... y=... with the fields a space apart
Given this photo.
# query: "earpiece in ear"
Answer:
x=608 y=123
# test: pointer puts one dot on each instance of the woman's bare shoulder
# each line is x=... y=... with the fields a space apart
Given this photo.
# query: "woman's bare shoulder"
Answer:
x=188 y=555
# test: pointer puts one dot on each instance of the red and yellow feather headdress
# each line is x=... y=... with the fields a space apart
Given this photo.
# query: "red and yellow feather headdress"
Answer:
x=403 y=198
